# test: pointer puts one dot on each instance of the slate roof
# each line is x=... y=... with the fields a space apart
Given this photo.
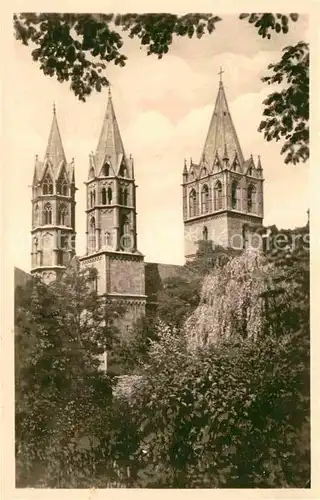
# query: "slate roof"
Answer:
x=222 y=137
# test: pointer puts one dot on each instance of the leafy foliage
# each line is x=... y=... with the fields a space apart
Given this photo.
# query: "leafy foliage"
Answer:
x=232 y=415
x=77 y=47
x=230 y=301
x=61 y=396
x=287 y=111
x=229 y=413
x=234 y=412
x=268 y=22
x=180 y=294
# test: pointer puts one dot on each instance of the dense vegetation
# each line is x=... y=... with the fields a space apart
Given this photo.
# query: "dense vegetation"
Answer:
x=213 y=404
x=78 y=48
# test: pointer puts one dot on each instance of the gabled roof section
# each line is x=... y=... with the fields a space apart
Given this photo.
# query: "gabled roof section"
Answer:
x=55 y=151
x=221 y=135
x=249 y=165
x=37 y=172
x=110 y=143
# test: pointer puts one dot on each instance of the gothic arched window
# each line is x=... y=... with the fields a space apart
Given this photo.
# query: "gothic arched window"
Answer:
x=218 y=196
x=235 y=195
x=36 y=216
x=125 y=197
x=205 y=233
x=109 y=195
x=125 y=233
x=251 y=198
x=47 y=214
x=92 y=198
x=62 y=215
x=123 y=171
x=47 y=186
x=106 y=170
x=92 y=236
x=103 y=196
x=192 y=203
x=120 y=196
x=62 y=186
x=205 y=199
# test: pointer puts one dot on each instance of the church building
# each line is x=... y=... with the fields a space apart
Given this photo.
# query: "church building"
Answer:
x=223 y=193
x=222 y=198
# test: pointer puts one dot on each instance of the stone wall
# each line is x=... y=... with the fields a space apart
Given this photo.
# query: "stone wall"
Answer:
x=125 y=274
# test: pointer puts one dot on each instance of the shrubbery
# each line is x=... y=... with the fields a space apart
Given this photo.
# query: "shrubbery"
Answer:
x=222 y=400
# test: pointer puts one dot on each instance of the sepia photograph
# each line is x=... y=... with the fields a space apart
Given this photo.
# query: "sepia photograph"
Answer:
x=159 y=229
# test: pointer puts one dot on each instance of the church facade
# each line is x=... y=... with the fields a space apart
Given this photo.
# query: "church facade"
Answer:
x=222 y=203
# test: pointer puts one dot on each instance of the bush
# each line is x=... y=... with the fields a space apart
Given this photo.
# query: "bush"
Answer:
x=231 y=415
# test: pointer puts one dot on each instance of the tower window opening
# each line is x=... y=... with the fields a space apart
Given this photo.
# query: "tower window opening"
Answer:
x=62 y=187
x=125 y=233
x=92 y=236
x=109 y=195
x=251 y=198
x=62 y=215
x=235 y=195
x=47 y=187
x=92 y=198
x=205 y=199
x=123 y=171
x=103 y=196
x=125 y=197
x=205 y=233
x=47 y=214
x=218 y=196
x=120 y=196
x=36 y=216
x=106 y=170
x=193 y=203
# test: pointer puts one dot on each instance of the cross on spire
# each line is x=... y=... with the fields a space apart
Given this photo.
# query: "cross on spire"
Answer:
x=54 y=108
x=220 y=73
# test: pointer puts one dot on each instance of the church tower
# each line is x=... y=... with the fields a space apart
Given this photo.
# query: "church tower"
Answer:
x=112 y=222
x=223 y=193
x=53 y=209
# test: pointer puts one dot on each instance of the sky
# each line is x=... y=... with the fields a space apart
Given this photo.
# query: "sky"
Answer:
x=163 y=109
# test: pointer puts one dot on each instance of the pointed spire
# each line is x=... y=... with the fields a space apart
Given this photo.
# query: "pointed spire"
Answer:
x=185 y=169
x=221 y=134
x=55 y=151
x=110 y=142
x=259 y=166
